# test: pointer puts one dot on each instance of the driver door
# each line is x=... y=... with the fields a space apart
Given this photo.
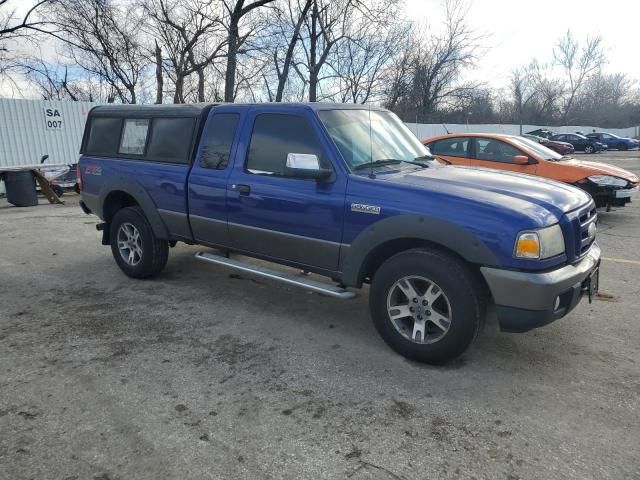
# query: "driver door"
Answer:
x=278 y=216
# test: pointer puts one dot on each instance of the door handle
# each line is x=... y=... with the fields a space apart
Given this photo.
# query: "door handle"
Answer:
x=244 y=189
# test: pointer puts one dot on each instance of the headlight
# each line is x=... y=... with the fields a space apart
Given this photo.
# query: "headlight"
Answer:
x=540 y=244
x=608 y=181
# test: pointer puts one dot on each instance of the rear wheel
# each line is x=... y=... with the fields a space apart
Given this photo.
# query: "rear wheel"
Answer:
x=426 y=305
x=136 y=249
x=589 y=149
x=622 y=146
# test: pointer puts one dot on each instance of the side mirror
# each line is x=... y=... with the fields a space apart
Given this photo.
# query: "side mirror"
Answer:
x=306 y=166
x=44 y=158
x=521 y=160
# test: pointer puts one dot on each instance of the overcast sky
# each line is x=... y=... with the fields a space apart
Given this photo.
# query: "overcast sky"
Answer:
x=520 y=30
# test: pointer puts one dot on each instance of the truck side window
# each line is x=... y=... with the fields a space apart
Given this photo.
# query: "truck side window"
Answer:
x=170 y=140
x=104 y=136
x=274 y=137
x=134 y=136
x=217 y=140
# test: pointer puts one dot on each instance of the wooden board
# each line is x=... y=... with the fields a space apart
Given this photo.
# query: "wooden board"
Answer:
x=24 y=168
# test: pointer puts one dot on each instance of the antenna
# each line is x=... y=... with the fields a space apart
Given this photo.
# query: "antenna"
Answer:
x=371 y=175
x=445 y=128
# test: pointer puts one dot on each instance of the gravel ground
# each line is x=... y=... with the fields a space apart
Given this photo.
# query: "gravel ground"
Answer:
x=203 y=373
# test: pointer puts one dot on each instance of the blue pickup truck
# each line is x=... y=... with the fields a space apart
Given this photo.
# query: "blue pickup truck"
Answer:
x=348 y=193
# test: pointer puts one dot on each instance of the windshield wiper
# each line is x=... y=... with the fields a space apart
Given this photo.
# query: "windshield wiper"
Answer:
x=377 y=163
x=387 y=161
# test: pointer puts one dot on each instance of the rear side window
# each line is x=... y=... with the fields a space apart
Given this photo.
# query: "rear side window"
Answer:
x=274 y=137
x=134 y=136
x=104 y=136
x=170 y=140
x=452 y=147
x=217 y=140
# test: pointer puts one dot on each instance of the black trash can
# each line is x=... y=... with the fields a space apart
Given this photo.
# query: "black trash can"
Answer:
x=20 y=188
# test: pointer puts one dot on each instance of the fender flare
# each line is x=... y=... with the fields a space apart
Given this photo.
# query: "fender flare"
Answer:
x=140 y=195
x=434 y=230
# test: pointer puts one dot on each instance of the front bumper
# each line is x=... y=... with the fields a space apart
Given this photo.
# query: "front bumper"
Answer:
x=526 y=300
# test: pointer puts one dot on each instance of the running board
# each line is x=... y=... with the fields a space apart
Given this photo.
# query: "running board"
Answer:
x=285 y=277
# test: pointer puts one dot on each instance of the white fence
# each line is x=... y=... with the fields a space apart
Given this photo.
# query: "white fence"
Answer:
x=424 y=130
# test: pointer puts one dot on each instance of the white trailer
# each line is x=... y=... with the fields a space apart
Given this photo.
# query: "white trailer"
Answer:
x=30 y=129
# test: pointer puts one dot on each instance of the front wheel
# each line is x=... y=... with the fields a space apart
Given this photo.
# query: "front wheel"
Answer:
x=589 y=149
x=426 y=305
x=136 y=249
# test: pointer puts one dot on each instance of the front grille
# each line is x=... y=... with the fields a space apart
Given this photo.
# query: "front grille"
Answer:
x=585 y=217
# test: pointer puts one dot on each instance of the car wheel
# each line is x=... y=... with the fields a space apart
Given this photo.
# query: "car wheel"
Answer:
x=426 y=305
x=589 y=149
x=622 y=146
x=136 y=249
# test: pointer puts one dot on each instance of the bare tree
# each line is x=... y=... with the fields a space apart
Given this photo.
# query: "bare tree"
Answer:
x=236 y=10
x=288 y=26
x=442 y=59
x=579 y=62
x=399 y=76
x=14 y=27
x=364 y=60
x=157 y=55
x=188 y=36
x=326 y=27
x=102 y=38
x=523 y=88
x=61 y=82
x=432 y=73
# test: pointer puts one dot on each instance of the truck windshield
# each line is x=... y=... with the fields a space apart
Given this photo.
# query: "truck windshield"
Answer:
x=372 y=137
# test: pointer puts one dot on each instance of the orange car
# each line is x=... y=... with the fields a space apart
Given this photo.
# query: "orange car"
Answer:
x=608 y=185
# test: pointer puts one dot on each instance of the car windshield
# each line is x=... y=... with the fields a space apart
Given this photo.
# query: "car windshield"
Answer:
x=538 y=149
x=372 y=137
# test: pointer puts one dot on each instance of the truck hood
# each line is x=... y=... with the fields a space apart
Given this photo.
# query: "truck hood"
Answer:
x=597 y=168
x=522 y=192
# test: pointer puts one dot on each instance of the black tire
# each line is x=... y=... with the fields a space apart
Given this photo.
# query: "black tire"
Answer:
x=456 y=282
x=589 y=149
x=154 y=252
x=622 y=146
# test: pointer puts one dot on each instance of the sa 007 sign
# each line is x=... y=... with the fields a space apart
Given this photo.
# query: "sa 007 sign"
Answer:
x=53 y=119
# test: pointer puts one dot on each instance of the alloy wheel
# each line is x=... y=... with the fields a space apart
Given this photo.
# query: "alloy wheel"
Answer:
x=419 y=310
x=129 y=244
